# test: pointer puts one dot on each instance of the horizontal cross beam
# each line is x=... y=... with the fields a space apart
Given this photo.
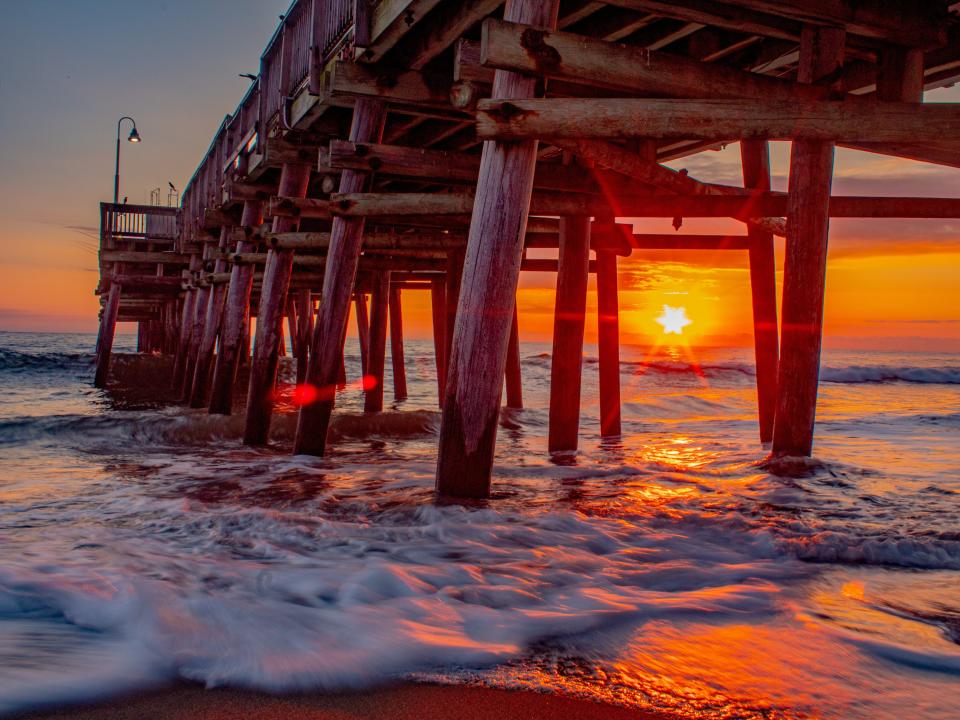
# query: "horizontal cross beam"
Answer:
x=574 y=118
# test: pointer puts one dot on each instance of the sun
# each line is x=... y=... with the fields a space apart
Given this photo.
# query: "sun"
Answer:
x=674 y=320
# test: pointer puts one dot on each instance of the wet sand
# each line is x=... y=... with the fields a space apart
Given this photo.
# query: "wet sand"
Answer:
x=405 y=702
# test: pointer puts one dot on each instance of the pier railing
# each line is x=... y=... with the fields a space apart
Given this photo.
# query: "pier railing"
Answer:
x=132 y=223
x=312 y=32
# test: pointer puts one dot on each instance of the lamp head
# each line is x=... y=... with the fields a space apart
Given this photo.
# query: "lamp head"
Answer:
x=134 y=136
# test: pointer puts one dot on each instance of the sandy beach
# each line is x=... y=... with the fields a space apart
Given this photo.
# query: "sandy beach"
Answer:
x=406 y=702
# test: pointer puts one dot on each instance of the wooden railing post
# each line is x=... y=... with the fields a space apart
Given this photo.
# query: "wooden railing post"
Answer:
x=805 y=265
x=475 y=371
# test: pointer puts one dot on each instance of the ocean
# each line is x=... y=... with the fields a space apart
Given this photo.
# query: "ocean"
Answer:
x=141 y=543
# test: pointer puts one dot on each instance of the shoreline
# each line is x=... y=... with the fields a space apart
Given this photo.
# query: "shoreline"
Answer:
x=408 y=701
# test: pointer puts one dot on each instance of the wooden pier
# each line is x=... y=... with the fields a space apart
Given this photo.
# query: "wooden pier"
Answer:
x=389 y=146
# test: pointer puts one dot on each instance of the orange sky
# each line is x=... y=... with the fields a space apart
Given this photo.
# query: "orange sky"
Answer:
x=890 y=284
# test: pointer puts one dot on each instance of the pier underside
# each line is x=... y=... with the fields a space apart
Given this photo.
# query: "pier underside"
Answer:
x=430 y=145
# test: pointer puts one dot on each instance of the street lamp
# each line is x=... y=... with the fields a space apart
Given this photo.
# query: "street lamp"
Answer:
x=134 y=137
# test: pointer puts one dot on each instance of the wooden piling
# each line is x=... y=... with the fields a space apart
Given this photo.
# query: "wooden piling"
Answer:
x=475 y=371
x=514 y=381
x=396 y=345
x=438 y=306
x=196 y=338
x=455 y=260
x=608 y=342
x=755 y=157
x=376 y=357
x=188 y=310
x=211 y=329
x=369 y=116
x=273 y=295
x=304 y=332
x=234 y=339
x=108 y=329
x=805 y=264
x=363 y=329
x=568 y=325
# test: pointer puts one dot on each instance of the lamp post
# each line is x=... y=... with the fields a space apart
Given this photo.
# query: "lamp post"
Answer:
x=134 y=137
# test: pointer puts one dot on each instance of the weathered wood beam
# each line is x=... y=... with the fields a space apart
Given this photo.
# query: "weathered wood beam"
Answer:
x=459 y=167
x=132 y=282
x=345 y=82
x=624 y=68
x=380 y=240
x=630 y=163
x=389 y=22
x=137 y=256
x=718 y=14
x=902 y=22
x=451 y=21
x=737 y=206
x=713 y=119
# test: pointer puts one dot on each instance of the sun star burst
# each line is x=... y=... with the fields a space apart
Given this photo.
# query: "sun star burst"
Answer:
x=674 y=320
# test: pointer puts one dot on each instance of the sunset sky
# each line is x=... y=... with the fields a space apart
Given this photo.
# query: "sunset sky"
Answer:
x=70 y=69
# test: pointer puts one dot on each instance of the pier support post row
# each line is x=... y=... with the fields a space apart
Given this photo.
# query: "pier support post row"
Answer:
x=514 y=380
x=188 y=312
x=377 y=342
x=196 y=333
x=339 y=277
x=396 y=346
x=475 y=369
x=108 y=328
x=805 y=264
x=294 y=179
x=570 y=309
x=755 y=158
x=236 y=318
x=211 y=328
x=608 y=343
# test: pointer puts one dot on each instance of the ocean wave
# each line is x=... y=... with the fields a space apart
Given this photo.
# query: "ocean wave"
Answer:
x=890 y=373
x=329 y=604
x=178 y=426
x=846 y=374
x=15 y=361
x=934 y=552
